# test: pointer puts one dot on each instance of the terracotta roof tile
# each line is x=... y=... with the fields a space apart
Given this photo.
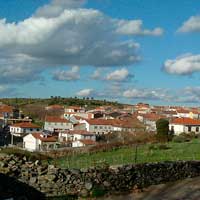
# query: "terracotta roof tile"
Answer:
x=25 y=125
x=56 y=119
x=185 y=121
x=43 y=138
x=88 y=142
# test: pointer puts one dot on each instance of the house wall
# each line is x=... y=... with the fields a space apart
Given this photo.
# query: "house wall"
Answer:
x=30 y=143
x=20 y=131
x=68 y=136
x=178 y=128
x=50 y=126
x=77 y=144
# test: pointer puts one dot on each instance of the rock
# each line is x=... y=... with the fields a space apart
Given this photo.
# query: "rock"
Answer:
x=106 y=184
x=88 y=185
x=33 y=180
x=84 y=193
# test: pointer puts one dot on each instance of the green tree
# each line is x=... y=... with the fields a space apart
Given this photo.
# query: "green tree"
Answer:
x=162 y=127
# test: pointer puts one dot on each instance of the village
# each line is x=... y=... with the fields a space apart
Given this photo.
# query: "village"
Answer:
x=76 y=126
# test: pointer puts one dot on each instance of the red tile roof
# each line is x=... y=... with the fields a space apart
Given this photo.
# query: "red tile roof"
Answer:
x=80 y=132
x=43 y=138
x=25 y=125
x=88 y=142
x=74 y=107
x=100 y=121
x=6 y=109
x=152 y=116
x=183 y=111
x=185 y=121
x=56 y=119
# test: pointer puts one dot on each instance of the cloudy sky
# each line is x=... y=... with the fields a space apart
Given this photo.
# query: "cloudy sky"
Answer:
x=124 y=50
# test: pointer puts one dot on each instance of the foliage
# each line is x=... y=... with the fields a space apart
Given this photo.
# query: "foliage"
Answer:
x=181 y=138
x=126 y=155
x=98 y=191
x=159 y=147
x=162 y=126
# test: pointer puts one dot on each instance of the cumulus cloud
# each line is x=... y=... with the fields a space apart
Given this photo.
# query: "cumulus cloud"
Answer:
x=70 y=75
x=191 y=25
x=64 y=33
x=85 y=92
x=97 y=74
x=19 y=68
x=134 y=27
x=55 y=7
x=157 y=94
x=183 y=65
x=119 y=75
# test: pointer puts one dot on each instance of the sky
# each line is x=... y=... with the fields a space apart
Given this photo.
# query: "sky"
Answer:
x=121 y=50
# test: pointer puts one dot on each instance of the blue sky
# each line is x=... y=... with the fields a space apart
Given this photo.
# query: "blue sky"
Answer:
x=124 y=50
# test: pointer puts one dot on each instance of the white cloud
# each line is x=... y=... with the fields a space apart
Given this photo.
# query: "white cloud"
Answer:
x=191 y=25
x=70 y=75
x=85 y=92
x=97 y=74
x=183 y=65
x=63 y=33
x=134 y=27
x=156 y=94
x=19 y=68
x=118 y=75
x=55 y=7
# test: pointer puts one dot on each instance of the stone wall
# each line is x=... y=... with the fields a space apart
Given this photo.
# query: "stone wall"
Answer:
x=56 y=182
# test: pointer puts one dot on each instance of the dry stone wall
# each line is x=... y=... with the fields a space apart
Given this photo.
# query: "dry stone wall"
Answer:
x=54 y=181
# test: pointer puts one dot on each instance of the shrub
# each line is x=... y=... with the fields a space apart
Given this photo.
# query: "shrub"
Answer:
x=180 y=139
x=98 y=191
x=162 y=126
x=163 y=147
x=159 y=147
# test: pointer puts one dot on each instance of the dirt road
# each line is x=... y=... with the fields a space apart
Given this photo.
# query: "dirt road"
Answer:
x=188 y=189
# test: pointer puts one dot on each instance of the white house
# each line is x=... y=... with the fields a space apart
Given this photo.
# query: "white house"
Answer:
x=98 y=126
x=24 y=128
x=57 y=124
x=83 y=143
x=184 y=125
x=77 y=138
x=39 y=142
x=183 y=113
x=73 y=135
x=75 y=109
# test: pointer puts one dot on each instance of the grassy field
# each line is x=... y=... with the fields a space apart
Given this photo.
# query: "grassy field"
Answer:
x=144 y=153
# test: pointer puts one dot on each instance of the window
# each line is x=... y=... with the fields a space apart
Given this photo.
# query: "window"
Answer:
x=55 y=123
x=197 y=129
x=189 y=128
x=31 y=129
x=38 y=129
x=101 y=127
x=95 y=127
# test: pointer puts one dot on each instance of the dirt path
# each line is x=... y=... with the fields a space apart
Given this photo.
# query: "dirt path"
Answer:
x=188 y=189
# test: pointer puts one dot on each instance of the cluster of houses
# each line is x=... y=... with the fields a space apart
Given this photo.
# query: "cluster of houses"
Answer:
x=78 y=127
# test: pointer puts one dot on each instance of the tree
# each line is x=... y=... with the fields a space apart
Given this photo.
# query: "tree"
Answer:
x=162 y=127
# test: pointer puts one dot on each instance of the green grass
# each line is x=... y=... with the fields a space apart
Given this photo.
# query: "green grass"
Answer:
x=176 y=151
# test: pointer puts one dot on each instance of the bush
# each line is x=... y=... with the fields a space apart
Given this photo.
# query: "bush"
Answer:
x=180 y=139
x=98 y=191
x=159 y=147
x=162 y=127
x=163 y=147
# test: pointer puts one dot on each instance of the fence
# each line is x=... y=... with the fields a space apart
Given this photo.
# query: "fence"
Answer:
x=134 y=154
